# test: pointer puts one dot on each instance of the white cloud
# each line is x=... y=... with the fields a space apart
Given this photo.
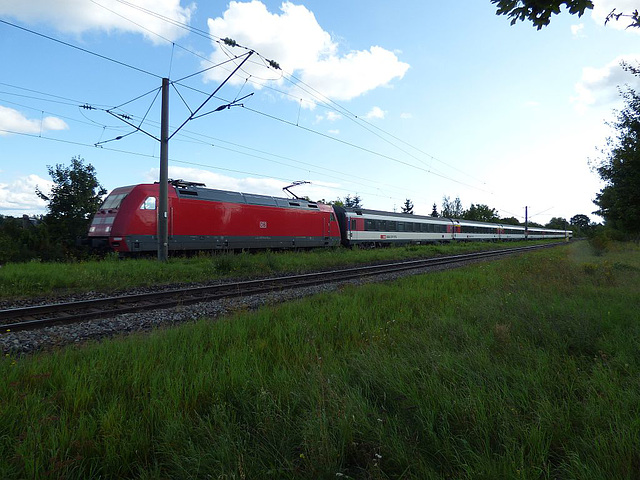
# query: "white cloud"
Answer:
x=577 y=30
x=602 y=8
x=333 y=116
x=19 y=197
x=375 y=112
x=298 y=43
x=15 y=121
x=334 y=131
x=78 y=16
x=329 y=116
x=599 y=86
x=406 y=115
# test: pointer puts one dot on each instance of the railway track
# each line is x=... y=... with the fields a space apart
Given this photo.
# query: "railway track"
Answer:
x=41 y=316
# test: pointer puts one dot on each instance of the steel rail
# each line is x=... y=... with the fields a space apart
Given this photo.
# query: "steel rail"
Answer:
x=40 y=316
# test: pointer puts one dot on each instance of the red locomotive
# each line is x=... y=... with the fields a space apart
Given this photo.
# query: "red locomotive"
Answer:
x=201 y=218
x=205 y=219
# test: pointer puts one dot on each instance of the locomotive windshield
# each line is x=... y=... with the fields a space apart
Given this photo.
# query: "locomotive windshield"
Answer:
x=113 y=201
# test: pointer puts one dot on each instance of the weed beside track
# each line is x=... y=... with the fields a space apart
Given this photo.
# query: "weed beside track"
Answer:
x=21 y=280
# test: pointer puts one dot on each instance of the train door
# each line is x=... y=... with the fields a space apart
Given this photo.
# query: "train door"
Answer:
x=453 y=228
x=326 y=227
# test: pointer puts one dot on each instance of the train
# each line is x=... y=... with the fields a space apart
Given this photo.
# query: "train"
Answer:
x=205 y=219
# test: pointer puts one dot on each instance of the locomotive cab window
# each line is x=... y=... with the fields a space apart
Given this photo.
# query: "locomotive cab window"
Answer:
x=148 y=204
x=113 y=201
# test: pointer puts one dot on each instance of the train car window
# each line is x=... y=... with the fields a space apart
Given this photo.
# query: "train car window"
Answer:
x=369 y=225
x=401 y=226
x=392 y=226
x=353 y=224
x=148 y=204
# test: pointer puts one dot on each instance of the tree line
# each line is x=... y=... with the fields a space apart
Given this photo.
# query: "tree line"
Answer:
x=74 y=198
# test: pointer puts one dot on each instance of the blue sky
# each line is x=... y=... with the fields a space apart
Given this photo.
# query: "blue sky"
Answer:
x=387 y=100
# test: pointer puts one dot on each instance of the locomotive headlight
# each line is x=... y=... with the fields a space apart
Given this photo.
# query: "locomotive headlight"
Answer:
x=92 y=229
x=107 y=229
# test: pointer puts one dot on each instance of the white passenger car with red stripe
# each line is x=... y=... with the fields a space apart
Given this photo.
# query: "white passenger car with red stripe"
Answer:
x=376 y=228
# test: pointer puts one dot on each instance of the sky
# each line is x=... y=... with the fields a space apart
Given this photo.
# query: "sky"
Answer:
x=385 y=100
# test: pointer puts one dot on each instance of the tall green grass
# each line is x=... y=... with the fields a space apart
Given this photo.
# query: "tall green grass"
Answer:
x=38 y=278
x=523 y=368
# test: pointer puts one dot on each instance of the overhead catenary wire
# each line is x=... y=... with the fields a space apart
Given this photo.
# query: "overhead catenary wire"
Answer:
x=364 y=149
x=84 y=50
x=270 y=116
x=282 y=120
x=185 y=162
x=316 y=94
x=83 y=105
x=136 y=127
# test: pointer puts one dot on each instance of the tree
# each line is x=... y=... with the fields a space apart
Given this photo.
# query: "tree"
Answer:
x=634 y=16
x=451 y=209
x=407 y=207
x=557 y=223
x=510 y=221
x=538 y=11
x=74 y=198
x=581 y=224
x=434 y=212
x=481 y=213
x=352 y=202
x=619 y=200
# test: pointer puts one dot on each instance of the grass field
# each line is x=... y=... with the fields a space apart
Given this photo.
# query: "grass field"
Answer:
x=523 y=368
x=43 y=279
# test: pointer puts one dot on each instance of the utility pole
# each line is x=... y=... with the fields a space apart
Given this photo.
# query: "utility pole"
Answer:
x=526 y=223
x=163 y=197
x=163 y=194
